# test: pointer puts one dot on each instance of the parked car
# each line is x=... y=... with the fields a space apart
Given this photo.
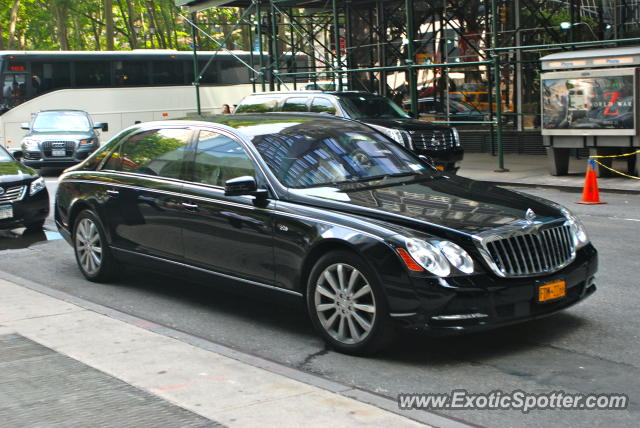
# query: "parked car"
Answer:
x=60 y=138
x=458 y=110
x=24 y=200
x=441 y=143
x=366 y=233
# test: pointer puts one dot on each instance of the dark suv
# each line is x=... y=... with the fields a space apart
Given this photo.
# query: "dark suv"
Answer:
x=59 y=138
x=441 y=143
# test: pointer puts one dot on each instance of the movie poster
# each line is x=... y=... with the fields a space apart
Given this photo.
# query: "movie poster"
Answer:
x=588 y=103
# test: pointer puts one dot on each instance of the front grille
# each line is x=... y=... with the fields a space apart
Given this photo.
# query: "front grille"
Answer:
x=531 y=252
x=49 y=146
x=12 y=194
x=433 y=139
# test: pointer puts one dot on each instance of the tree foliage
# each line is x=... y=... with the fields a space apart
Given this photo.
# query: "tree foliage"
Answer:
x=86 y=25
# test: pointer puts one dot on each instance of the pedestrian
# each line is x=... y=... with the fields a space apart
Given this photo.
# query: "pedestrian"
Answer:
x=226 y=109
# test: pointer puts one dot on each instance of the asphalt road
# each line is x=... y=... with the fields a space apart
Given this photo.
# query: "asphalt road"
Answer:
x=590 y=348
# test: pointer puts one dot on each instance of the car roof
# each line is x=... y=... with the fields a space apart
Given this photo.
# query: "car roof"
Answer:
x=63 y=110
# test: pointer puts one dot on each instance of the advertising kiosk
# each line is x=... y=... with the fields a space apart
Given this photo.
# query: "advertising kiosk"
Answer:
x=589 y=101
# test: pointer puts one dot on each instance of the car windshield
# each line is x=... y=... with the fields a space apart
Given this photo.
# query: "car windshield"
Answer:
x=312 y=157
x=360 y=106
x=61 y=121
x=4 y=155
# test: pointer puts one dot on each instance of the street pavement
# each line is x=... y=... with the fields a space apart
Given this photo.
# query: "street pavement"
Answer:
x=592 y=347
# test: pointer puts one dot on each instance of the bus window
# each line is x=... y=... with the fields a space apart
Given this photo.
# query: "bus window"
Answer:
x=131 y=73
x=14 y=89
x=167 y=73
x=92 y=74
x=47 y=77
x=210 y=75
x=233 y=72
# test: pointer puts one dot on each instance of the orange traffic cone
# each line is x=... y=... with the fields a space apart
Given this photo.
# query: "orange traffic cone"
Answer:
x=590 y=194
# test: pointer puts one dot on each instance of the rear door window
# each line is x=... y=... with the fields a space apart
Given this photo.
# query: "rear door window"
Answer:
x=258 y=105
x=295 y=104
x=157 y=152
x=322 y=105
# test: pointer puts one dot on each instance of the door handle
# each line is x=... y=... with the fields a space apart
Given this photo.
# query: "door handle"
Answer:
x=113 y=192
x=190 y=207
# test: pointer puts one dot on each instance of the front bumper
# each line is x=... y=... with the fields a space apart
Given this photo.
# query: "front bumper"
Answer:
x=480 y=302
x=37 y=159
x=31 y=209
x=447 y=159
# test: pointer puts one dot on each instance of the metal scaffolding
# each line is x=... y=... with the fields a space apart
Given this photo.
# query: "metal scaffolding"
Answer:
x=406 y=49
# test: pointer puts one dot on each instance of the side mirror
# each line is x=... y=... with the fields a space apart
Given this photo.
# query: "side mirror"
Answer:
x=17 y=154
x=245 y=185
x=101 y=125
x=24 y=125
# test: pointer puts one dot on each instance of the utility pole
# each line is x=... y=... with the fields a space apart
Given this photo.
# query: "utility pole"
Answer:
x=408 y=4
x=497 y=91
x=196 y=72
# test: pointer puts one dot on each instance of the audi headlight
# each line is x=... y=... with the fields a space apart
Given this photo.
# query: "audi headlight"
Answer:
x=428 y=256
x=29 y=144
x=457 y=256
x=578 y=231
x=36 y=186
x=86 y=141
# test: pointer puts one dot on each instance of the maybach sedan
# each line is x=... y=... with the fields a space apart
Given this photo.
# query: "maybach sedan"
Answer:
x=369 y=235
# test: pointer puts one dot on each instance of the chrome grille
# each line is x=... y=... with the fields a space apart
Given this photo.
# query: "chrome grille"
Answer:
x=433 y=140
x=531 y=252
x=68 y=146
x=12 y=194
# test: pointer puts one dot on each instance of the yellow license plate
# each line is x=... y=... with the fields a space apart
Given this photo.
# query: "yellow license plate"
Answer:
x=551 y=291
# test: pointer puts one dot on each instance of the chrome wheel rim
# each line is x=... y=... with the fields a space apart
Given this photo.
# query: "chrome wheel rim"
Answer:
x=345 y=304
x=88 y=246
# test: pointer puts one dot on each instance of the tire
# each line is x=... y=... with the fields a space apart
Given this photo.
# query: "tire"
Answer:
x=347 y=306
x=36 y=225
x=90 y=247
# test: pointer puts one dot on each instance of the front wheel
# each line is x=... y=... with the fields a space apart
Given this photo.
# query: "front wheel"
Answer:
x=346 y=304
x=90 y=246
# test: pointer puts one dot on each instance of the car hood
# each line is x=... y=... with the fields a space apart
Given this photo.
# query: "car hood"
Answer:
x=441 y=205
x=404 y=124
x=13 y=172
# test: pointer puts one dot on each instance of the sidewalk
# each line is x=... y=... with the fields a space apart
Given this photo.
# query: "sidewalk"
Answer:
x=531 y=170
x=63 y=364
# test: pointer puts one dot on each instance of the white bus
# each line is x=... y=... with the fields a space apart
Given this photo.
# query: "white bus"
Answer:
x=121 y=87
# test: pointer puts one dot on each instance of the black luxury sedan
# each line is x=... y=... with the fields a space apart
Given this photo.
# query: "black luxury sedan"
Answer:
x=327 y=209
x=24 y=200
x=60 y=138
x=441 y=143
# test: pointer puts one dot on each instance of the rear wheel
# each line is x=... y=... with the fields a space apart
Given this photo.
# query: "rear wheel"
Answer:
x=346 y=304
x=92 y=252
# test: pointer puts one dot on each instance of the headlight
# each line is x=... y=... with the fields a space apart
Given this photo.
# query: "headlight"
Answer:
x=36 y=186
x=396 y=135
x=86 y=141
x=428 y=256
x=30 y=144
x=579 y=233
x=456 y=136
x=458 y=257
